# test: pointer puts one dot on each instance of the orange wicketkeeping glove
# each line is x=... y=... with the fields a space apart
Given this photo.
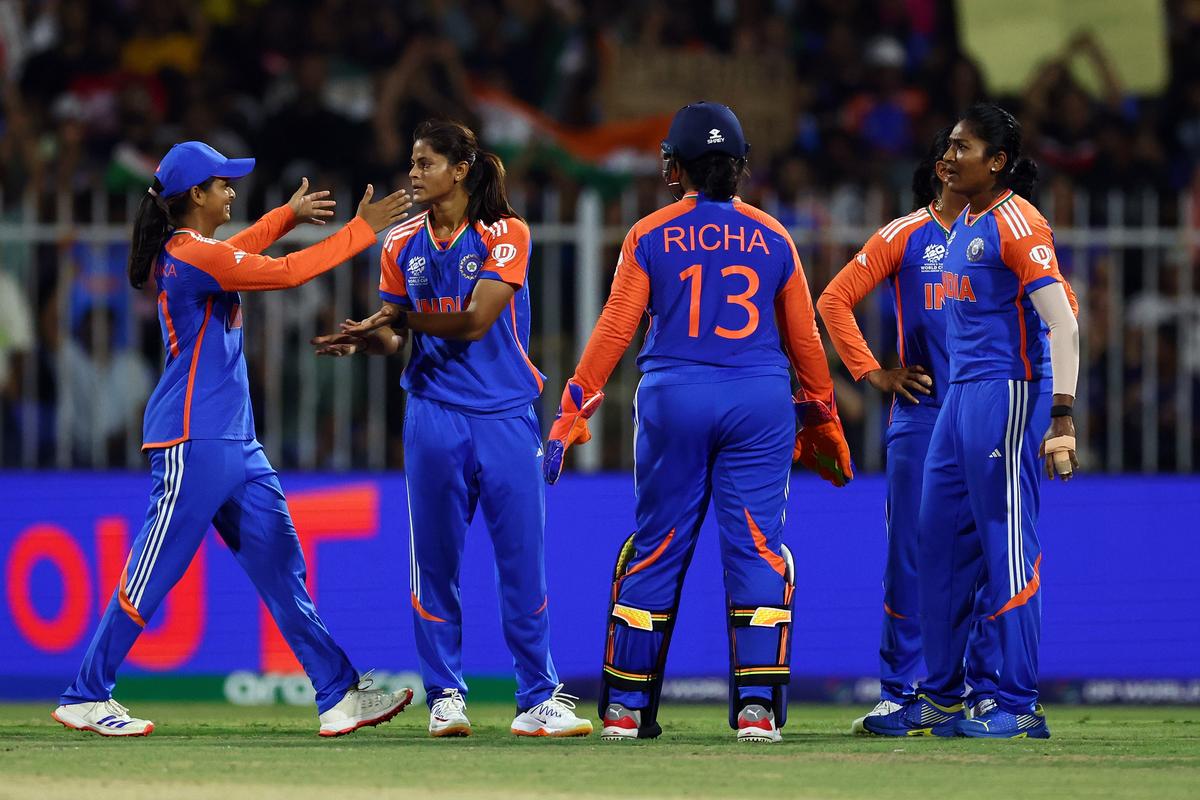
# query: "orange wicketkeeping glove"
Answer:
x=820 y=443
x=570 y=427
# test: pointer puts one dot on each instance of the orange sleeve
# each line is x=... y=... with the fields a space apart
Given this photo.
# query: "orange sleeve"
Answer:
x=618 y=321
x=236 y=270
x=875 y=263
x=393 y=286
x=798 y=329
x=1027 y=244
x=270 y=228
x=508 y=247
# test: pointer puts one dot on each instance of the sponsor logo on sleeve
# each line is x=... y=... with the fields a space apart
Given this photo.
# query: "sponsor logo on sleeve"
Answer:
x=1041 y=254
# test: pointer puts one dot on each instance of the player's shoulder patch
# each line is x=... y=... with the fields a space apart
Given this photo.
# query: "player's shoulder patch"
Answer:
x=403 y=233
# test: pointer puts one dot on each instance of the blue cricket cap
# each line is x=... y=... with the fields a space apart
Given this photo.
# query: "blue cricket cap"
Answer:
x=705 y=127
x=190 y=163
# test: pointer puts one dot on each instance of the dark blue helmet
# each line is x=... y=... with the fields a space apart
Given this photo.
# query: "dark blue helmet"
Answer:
x=704 y=127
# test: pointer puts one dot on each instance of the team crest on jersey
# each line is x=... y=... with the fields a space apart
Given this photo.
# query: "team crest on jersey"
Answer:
x=975 y=249
x=416 y=271
x=468 y=266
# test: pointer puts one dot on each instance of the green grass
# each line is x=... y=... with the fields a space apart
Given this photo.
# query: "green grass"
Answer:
x=203 y=750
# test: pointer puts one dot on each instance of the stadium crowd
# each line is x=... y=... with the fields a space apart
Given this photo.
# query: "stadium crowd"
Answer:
x=94 y=92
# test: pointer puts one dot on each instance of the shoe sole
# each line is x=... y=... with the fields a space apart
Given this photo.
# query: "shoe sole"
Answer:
x=563 y=734
x=373 y=721
x=460 y=731
x=1021 y=735
x=88 y=728
x=759 y=739
x=615 y=734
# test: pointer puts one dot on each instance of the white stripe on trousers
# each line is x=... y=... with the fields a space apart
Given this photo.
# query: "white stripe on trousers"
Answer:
x=1014 y=441
x=414 y=571
x=173 y=481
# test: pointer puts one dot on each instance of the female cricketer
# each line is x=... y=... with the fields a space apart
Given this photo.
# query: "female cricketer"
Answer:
x=207 y=465
x=454 y=278
x=907 y=253
x=1014 y=359
x=714 y=417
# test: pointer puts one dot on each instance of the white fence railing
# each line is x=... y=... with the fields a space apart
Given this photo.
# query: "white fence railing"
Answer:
x=75 y=374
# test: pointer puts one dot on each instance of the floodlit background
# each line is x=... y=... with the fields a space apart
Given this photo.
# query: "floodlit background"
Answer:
x=838 y=98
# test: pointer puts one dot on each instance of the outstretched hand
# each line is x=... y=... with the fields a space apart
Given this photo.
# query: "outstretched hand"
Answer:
x=311 y=208
x=384 y=316
x=338 y=344
x=386 y=212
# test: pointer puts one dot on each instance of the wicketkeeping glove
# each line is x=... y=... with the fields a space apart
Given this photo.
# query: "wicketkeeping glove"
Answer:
x=570 y=427
x=820 y=443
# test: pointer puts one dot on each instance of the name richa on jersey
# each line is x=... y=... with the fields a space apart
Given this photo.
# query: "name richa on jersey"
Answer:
x=711 y=237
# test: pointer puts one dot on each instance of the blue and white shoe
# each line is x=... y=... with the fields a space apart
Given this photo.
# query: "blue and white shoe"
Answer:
x=1000 y=724
x=921 y=717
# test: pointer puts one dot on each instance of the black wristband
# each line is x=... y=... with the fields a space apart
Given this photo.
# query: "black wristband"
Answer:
x=1060 y=411
x=401 y=321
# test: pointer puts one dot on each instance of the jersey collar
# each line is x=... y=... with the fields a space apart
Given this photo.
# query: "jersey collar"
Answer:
x=454 y=237
x=999 y=201
x=936 y=219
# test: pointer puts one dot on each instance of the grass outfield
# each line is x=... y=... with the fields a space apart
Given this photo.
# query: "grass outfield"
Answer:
x=202 y=750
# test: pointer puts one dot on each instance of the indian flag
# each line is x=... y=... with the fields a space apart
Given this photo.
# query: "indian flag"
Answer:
x=604 y=156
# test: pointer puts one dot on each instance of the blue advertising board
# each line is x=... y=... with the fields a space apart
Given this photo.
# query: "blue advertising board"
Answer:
x=1118 y=576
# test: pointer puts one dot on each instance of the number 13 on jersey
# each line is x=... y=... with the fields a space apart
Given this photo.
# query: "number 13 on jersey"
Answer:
x=695 y=275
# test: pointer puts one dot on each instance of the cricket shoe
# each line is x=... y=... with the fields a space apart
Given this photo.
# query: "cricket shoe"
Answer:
x=620 y=723
x=448 y=715
x=921 y=717
x=757 y=724
x=881 y=709
x=363 y=706
x=554 y=716
x=107 y=718
x=1000 y=724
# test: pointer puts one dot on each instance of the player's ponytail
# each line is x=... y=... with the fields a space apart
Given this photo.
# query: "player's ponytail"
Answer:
x=716 y=175
x=485 y=185
x=1002 y=132
x=156 y=217
x=926 y=185
x=485 y=172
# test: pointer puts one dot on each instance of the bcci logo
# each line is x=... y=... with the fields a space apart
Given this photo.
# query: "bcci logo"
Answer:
x=416 y=271
x=468 y=267
x=715 y=137
x=975 y=249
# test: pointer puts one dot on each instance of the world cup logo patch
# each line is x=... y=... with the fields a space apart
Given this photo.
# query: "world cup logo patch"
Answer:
x=975 y=249
x=468 y=266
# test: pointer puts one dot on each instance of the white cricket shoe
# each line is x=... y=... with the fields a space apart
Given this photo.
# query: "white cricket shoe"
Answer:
x=757 y=724
x=448 y=715
x=552 y=717
x=362 y=706
x=107 y=718
x=881 y=709
x=620 y=723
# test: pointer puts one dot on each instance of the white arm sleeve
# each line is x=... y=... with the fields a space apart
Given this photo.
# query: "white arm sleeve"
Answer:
x=1051 y=304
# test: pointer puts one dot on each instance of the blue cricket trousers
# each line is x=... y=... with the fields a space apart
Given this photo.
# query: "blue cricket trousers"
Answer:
x=730 y=441
x=900 y=642
x=231 y=486
x=981 y=495
x=453 y=463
